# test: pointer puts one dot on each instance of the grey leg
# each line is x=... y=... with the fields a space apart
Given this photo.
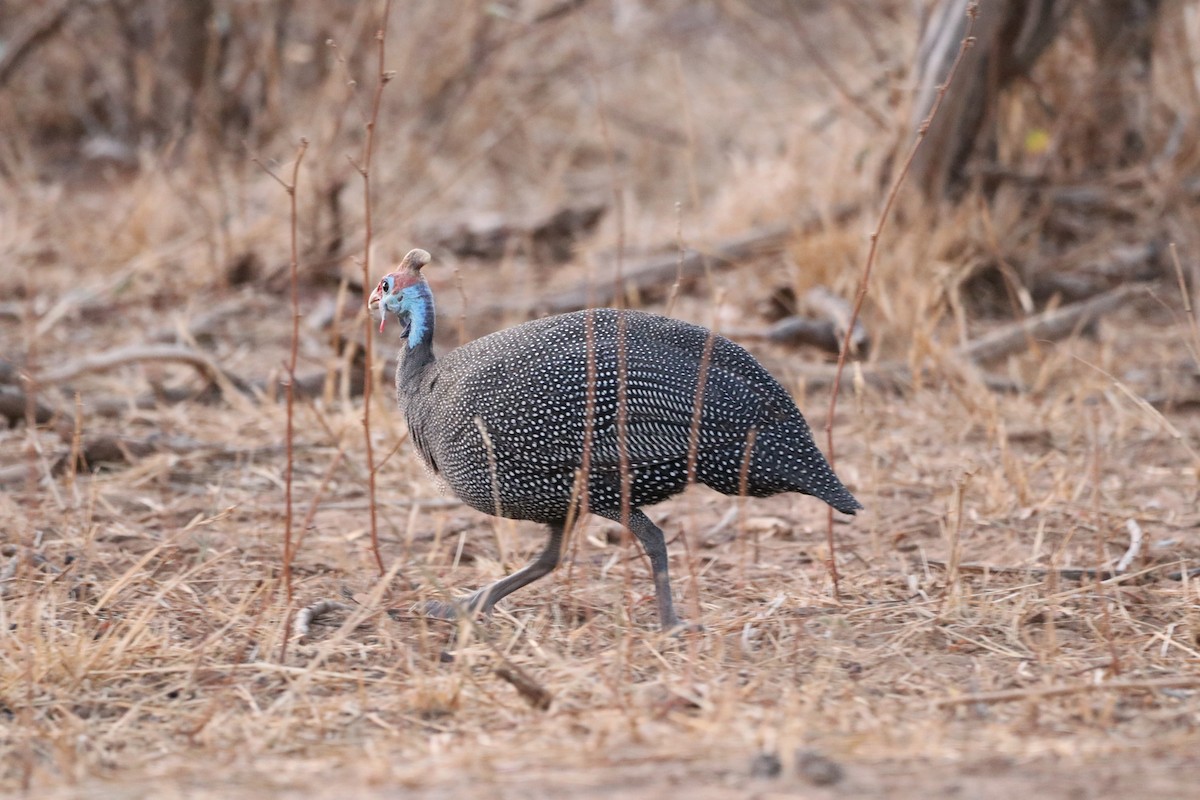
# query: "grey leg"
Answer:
x=652 y=541
x=487 y=597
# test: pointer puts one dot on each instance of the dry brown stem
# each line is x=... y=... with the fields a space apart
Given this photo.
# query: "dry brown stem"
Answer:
x=289 y=552
x=865 y=280
x=381 y=79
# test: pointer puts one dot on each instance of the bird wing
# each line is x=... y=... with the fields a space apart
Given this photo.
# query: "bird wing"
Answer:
x=536 y=410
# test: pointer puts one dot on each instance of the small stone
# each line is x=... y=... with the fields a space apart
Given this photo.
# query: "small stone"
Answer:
x=766 y=765
x=817 y=768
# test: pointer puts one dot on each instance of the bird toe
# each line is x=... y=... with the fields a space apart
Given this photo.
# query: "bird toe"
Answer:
x=681 y=629
x=437 y=609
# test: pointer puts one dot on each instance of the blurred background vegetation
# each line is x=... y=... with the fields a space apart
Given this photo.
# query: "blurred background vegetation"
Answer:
x=1062 y=164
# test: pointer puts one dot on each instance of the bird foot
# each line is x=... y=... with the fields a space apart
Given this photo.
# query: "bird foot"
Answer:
x=680 y=629
x=451 y=611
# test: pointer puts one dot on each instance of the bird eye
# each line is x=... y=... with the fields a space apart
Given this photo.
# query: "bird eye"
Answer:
x=386 y=285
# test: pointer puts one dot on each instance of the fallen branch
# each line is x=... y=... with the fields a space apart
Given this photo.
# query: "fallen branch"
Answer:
x=307 y=386
x=1121 y=264
x=205 y=325
x=1062 y=573
x=1174 y=400
x=14 y=474
x=136 y=354
x=549 y=239
x=1136 y=538
x=226 y=383
x=13 y=396
x=834 y=308
x=361 y=505
x=825 y=331
x=886 y=376
x=1048 y=325
x=793 y=330
x=1039 y=692
x=661 y=270
x=1058 y=323
x=114 y=449
x=644 y=276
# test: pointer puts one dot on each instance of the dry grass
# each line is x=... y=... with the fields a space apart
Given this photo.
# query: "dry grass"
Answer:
x=142 y=605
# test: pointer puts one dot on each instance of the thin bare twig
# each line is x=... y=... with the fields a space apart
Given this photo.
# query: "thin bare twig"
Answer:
x=1192 y=312
x=865 y=281
x=624 y=473
x=364 y=170
x=30 y=387
x=293 y=354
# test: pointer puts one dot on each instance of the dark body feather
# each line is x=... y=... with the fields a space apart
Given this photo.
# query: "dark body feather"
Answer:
x=513 y=422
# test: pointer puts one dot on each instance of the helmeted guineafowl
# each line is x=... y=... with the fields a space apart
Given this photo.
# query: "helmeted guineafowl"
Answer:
x=513 y=421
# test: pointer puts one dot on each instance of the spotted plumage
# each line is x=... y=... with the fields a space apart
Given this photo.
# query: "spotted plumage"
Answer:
x=509 y=420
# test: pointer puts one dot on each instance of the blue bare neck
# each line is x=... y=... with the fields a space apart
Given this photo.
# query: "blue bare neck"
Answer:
x=420 y=315
x=417 y=357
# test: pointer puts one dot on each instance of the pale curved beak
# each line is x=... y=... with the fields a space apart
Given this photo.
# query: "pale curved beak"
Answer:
x=375 y=304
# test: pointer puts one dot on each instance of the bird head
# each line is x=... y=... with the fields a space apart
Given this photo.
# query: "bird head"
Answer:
x=402 y=292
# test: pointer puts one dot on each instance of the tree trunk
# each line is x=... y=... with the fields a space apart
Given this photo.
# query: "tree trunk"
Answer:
x=1010 y=35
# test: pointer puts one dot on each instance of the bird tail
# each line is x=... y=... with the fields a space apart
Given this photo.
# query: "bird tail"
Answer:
x=784 y=459
x=841 y=499
x=798 y=465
